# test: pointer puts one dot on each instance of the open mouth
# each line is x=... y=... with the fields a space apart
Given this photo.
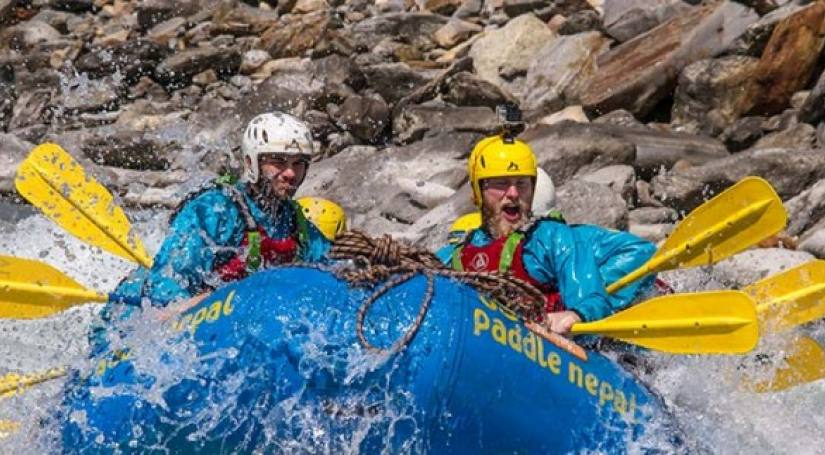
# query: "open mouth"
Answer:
x=511 y=213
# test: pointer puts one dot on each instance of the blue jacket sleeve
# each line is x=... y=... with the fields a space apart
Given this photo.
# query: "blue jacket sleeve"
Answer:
x=618 y=253
x=555 y=254
x=200 y=230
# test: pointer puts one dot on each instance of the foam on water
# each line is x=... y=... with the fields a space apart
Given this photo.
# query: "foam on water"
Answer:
x=705 y=393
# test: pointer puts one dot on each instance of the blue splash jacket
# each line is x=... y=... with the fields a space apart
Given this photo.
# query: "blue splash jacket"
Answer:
x=580 y=261
x=206 y=232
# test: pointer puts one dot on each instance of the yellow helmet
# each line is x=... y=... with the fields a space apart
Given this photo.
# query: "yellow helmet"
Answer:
x=497 y=156
x=463 y=225
x=326 y=215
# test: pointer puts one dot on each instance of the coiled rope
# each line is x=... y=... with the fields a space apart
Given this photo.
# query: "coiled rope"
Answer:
x=386 y=260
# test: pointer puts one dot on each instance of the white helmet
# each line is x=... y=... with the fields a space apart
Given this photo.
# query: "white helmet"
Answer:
x=544 y=197
x=273 y=132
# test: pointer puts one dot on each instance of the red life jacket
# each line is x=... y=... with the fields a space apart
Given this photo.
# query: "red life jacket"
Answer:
x=503 y=255
x=269 y=252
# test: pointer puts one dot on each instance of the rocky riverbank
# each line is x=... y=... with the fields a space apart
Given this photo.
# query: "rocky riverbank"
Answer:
x=638 y=109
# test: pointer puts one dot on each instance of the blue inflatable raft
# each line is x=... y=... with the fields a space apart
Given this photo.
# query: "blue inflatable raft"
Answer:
x=272 y=364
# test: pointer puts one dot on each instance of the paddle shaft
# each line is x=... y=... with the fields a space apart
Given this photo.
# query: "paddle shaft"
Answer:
x=664 y=260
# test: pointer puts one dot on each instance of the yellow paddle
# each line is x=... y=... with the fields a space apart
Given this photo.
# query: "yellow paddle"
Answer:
x=732 y=221
x=8 y=427
x=14 y=383
x=791 y=298
x=803 y=363
x=55 y=183
x=692 y=323
x=30 y=289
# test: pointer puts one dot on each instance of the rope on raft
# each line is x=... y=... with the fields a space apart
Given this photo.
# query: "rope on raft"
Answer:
x=386 y=260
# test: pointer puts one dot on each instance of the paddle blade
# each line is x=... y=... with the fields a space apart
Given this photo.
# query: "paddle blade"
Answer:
x=55 y=183
x=8 y=428
x=790 y=298
x=14 y=383
x=744 y=214
x=31 y=289
x=804 y=363
x=717 y=322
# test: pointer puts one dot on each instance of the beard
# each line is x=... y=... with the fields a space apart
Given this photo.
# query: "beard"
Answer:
x=496 y=223
x=268 y=198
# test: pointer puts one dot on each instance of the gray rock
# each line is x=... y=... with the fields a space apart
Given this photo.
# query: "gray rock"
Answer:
x=620 y=117
x=365 y=117
x=750 y=266
x=627 y=80
x=152 y=12
x=413 y=28
x=620 y=178
x=454 y=32
x=91 y=95
x=568 y=149
x=27 y=35
x=814 y=243
x=12 y=152
x=709 y=95
x=557 y=70
x=467 y=89
x=394 y=81
x=414 y=121
x=180 y=67
x=806 y=208
x=789 y=171
x=253 y=59
x=625 y=19
x=813 y=109
x=515 y=8
x=469 y=9
x=580 y=22
x=652 y=232
x=820 y=135
x=591 y=203
x=435 y=160
x=652 y=215
x=132 y=60
x=510 y=50
x=799 y=136
x=6 y=7
x=30 y=108
x=743 y=133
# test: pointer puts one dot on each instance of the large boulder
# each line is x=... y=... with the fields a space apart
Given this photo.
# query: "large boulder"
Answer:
x=591 y=203
x=414 y=121
x=806 y=208
x=789 y=59
x=625 y=19
x=568 y=149
x=504 y=54
x=558 y=69
x=394 y=81
x=416 y=29
x=637 y=74
x=132 y=59
x=709 y=95
x=789 y=171
x=178 y=69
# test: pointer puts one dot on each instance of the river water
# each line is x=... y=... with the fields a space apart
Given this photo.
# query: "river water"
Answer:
x=705 y=393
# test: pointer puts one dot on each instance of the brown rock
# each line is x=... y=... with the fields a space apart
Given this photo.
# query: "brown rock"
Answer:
x=365 y=117
x=293 y=36
x=445 y=7
x=789 y=59
x=240 y=19
x=712 y=94
x=467 y=89
x=180 y=67
x=639 y=73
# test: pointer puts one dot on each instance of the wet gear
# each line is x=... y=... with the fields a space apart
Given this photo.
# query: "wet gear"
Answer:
x=220 y=233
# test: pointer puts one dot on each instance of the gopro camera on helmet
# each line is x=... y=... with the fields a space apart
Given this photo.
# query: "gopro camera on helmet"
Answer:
x=509 y=116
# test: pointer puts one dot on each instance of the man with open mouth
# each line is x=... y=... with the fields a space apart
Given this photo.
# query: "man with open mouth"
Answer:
x=570 y=265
